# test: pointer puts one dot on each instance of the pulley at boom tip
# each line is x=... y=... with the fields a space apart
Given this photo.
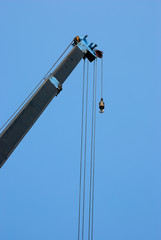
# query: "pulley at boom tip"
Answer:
x=91 y=53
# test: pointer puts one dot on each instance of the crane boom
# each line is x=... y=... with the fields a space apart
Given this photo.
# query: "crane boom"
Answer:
x=30 y=112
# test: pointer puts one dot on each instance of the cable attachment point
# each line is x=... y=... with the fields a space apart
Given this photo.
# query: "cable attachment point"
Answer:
x=99 y=53
x=101 y=106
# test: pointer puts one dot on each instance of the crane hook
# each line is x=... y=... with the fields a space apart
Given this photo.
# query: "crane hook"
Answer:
x=101 y=106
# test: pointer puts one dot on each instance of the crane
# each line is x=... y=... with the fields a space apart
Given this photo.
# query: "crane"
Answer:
x=18 y=127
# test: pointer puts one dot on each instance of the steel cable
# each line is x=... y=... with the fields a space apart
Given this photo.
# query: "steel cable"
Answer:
x=93 y=183
x=81 y=151
x=91 y=161
x=85 y=150
x=102 y=77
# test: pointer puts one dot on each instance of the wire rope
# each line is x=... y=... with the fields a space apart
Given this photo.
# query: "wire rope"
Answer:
x=81 y=151
x=102 y=77
x=85 y=150
x=91 y=161
x=93 y=183
x=36 y=87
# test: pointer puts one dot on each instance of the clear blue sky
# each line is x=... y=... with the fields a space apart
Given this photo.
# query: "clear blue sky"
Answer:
x=39 y=182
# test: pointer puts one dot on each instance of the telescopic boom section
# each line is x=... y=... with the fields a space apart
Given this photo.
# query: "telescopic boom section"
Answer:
x=30 y=112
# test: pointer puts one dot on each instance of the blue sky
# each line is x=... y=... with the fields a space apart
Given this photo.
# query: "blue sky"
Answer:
x=39 y=182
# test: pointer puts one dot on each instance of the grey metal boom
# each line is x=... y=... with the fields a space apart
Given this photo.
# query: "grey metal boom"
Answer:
x=30 y=112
